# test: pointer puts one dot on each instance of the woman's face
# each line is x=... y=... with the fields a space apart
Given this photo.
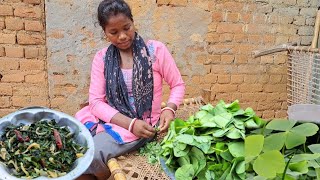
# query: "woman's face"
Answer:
x=120 y=31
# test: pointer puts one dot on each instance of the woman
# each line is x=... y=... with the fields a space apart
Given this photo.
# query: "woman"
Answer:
x=125 y=92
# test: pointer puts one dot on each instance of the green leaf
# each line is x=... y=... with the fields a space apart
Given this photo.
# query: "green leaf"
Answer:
x=185 y=138
x=253 y=146
x=234 y=106
x=185 y=172
x=197 y=159
x=304 y=157
x=306 y=129
x=183 y=160
x=210 y=175
x=180 y=149
x=207 y=107
x=315 y=148
x=236 y=149
x=269 y=164
x=280 y=125
x=234 y=133
x=227 y=155
x=294 y=140
x=201 y=114
x=240 y=168
x=301 y=167
x=274 y=141
x=223 y=119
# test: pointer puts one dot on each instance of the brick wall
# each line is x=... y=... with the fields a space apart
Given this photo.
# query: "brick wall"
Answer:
x=23 y=77
x=211 y=41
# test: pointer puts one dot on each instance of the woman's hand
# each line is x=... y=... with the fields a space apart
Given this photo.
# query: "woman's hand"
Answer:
x=165 y=118
x=143 y=129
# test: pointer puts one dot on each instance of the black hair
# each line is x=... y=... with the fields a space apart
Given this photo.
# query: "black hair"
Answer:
x=108 y=8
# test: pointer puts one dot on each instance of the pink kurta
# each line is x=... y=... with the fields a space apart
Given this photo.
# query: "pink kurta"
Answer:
x=163 y=66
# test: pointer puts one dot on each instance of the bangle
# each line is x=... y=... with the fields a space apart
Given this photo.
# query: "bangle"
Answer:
x=170 y=109
x=131 y=124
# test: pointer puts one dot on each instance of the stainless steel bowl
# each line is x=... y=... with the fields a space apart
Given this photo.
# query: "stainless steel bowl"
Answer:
x=32 y=114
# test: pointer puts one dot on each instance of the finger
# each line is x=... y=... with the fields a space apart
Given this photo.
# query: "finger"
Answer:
x=161 y=124
x=148 y=134
x=166 y=125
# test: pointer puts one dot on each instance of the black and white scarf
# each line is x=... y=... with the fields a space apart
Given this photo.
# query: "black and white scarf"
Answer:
x=142 y=80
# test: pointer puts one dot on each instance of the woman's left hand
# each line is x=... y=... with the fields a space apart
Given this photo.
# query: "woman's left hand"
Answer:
x=165 y=118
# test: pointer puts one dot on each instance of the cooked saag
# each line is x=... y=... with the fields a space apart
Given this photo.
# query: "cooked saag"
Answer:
x=40 y=149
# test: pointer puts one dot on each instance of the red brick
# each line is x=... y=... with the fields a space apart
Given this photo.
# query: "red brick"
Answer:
x=7 y=64
x=30 y=90
x=275 y=88
x=6 y=10
x=277 y=70
x=5 y=89
x=255 y=39
x=210 y=78
x=275 y=79
x=13 y=77
x=2 y=52
x=223 y=68
x=14 y=52
x=4 y=102
x=32 y=1
x=227 y=59
x=36 y=78
x=232 y=17
x=224 y=79
x=250 y=88
x=173 y=2
x=237 y=79
x=250 y=79
x=30 y=39
x=246 y=18
x=229 y=28
x=281 y=114
x=212 y=38
x=28 y=65
x=7 y=38
x=267 y=59
x=2 y=25
x=14 y=23
x=214 y=59
x=227 y=37
x=241 y=59
x=39 y=101
x=217 y=16
x=263 y=79
x=31 y=52
x=21 y=101
x=33 y=26
x=251 y=69
x=58 y=101
x=28 y=12
x=268 y=114
x=224 y=88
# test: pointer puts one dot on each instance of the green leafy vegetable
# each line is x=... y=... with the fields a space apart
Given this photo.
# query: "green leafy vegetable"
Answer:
x=39 y=149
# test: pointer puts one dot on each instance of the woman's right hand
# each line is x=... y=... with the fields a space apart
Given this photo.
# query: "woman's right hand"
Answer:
x=143 y=129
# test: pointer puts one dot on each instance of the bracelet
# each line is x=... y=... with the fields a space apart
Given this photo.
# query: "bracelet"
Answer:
x=131 y=124
x=168 y=108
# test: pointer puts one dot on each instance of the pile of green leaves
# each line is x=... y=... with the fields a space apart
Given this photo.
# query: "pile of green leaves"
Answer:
x=283 y=150
x=210 y=144
x=32 y=151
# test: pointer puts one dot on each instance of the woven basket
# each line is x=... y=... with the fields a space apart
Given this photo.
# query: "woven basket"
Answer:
x=137 y=167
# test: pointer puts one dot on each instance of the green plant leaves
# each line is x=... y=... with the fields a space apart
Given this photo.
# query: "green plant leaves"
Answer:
x=274 y=142
x=253 y=146
x=280 y=125
x=269 y=164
